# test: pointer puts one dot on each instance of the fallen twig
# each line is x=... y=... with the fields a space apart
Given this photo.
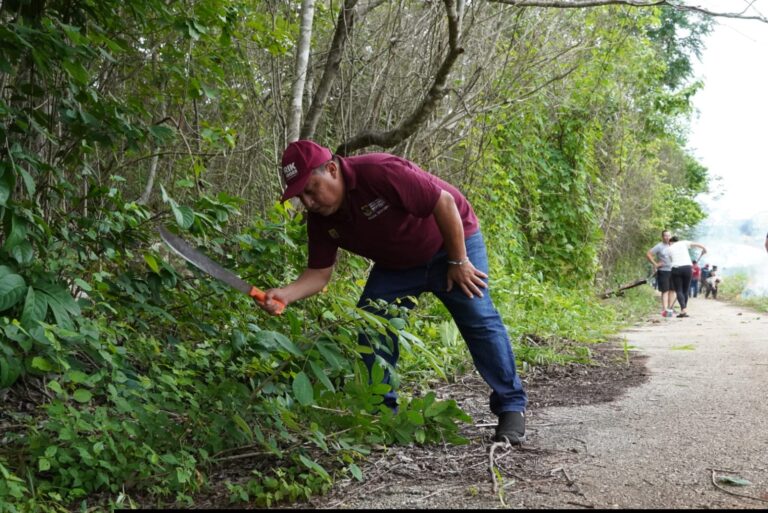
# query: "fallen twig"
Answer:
x=589 y=506
x=586 y=446
x=447 y=488
x=714 y=482
x=8 y=427
x=567 y=477
x=491 y=461
x=242 y=456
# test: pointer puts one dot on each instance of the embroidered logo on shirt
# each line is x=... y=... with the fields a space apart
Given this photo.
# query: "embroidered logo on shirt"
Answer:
x=290 y=171
x=374 y=208
x=333 y=233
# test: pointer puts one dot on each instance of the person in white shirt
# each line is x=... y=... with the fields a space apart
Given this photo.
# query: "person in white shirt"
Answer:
x=658 y=256
x=682 y=269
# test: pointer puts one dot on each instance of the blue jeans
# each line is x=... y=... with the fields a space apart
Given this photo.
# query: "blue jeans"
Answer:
x=477 y=319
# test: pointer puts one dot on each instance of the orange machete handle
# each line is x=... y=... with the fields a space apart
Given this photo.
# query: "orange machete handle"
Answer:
x=258 y=295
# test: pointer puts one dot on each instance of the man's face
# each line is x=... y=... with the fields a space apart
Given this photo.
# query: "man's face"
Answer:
x=665 y=236
x=324 y=192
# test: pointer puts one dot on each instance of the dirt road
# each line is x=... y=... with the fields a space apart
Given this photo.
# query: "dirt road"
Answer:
x=702 y=411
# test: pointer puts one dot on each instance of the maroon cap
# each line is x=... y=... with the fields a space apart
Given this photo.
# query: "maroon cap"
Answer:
x=299 y=159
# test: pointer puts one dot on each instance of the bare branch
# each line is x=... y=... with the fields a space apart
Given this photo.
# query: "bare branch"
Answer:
x=435 y=94
x=580 y=4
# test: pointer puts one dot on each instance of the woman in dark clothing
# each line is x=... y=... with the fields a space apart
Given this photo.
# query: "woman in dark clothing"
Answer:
x=682 y=269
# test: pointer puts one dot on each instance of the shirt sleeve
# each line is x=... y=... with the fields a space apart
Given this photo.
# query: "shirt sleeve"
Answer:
x=321 y=248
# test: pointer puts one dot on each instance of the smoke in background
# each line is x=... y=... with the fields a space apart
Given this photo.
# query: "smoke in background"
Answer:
x=729 y=138
x=737 y=246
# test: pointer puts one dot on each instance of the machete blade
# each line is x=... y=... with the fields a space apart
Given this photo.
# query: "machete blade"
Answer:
x=205 y=264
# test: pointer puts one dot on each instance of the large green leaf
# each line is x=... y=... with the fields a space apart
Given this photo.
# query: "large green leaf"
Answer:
x=152 y=262
x=61 y=302
x=19 y=154
x=82 y=395
x=321 y=375
x=10 y=370
x=35 y=307
x=40 y=363
x=6 y=186
x=302 y=389
x=23 y=252
x=29 y=182
x=76 y=71
x=162 y=134
x=269 y=338
x=12 y=288
x=16 y=244
x=59 y=295
x=315 y=466
x=185 y=216
x=331 y=355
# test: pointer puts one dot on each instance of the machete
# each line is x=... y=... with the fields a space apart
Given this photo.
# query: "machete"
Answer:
x=202 y=262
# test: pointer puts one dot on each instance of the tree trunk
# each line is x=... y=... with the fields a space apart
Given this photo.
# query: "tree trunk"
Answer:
x=332 y=63
x=300 y=72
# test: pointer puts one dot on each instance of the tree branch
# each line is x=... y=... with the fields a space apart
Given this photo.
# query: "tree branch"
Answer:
x=579 y=4
x=435 y=94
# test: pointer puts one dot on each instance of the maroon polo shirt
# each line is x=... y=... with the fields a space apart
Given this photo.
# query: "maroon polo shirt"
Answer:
x=386 y=215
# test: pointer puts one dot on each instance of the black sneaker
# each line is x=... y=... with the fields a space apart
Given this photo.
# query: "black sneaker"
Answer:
x=511 y=427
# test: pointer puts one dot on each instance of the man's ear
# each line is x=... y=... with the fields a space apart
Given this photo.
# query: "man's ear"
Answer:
x=333 y=168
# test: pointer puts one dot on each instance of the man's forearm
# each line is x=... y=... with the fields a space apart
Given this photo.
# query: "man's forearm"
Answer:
x=451 y=228
x=309 y=283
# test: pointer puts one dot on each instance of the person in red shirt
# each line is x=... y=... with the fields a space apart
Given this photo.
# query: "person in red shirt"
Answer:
x=423 y=236
x=695 y=279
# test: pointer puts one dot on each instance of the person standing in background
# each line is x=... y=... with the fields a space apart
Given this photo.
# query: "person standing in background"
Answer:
x=695 y=279
x=766 y=243
x=682 y=264
x=663 y=272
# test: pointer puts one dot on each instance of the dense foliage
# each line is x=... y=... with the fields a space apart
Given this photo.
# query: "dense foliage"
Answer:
x=128 y=374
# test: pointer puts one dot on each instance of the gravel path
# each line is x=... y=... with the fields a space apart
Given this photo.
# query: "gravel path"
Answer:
x=700 y=417
x=705 y=407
